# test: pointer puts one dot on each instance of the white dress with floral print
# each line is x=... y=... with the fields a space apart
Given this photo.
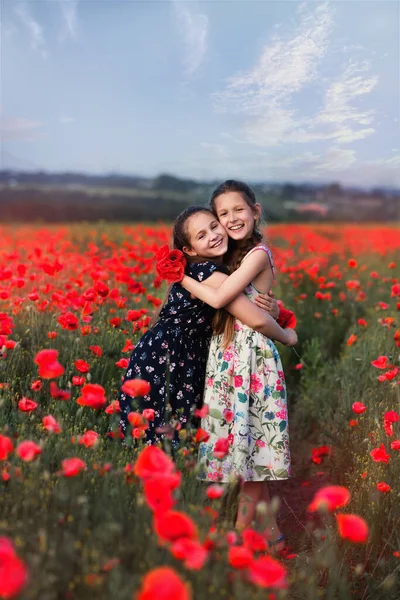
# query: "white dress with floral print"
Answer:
x=246 y=397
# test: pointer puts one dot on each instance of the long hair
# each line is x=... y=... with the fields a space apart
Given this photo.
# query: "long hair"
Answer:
x=180 y=239
x=224 y=322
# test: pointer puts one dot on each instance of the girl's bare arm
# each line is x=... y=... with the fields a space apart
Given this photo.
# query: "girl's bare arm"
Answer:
x=242 y=308
x=233 y=285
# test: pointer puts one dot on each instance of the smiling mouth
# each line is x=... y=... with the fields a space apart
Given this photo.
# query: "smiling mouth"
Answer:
x=217 y=244
x=236 y=227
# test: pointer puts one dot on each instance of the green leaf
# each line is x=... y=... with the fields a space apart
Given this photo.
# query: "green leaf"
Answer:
x=225 y=365
x=242 y=397
x=282 y=426
x=215 y=413
x=276 y=395
x=281 y=473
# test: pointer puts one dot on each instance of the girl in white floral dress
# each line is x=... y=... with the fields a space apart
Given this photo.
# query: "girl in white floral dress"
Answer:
x=245 y=387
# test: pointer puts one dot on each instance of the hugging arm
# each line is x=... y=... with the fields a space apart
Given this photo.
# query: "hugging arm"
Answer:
x=242 y=308
x=232 y=286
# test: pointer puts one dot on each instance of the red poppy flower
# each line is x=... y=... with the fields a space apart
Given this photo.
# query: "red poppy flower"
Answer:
x=6 y=447
x=89 y=438
x=170 y=264
x=149 y=413
x=72 y=466
x=215 y=491
x=190 y=551
x=102 y=289
x=239 y=557
x=383 y=487
x=380 y=362
x=81 y=365
x=165 y=584
x=28 y=450
x=36 y=385
x=97 y=350
x=267 y=572
x=153 y=462
x=359 y=408
x=122 y=363
x=57 y=393
x=318 y=453
x=395 y=445
x=202 y=412
x=92 y=395
x=254 y=540
x=68 y=321
x=136 y=387
x=286 y=318
x=113 y=407
x=388 y=427
x=352 y=528
x=221 y=448
x=128 y=346
x=173 y=525
x=115 y=322
x=13 y=572
x=133 y=315
x=330 y=498
x=49 y=367
x=395 y=290
x=137 y=420
x=50 y=424
x=380 y=454
x=76 y=380
x=158 y=494
x=362 y=322
x=201 y=436
x=352 y=340
x=27 y=405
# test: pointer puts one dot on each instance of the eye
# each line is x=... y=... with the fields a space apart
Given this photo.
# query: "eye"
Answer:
x=201 y=236
x=222 y=214
x=214 y=225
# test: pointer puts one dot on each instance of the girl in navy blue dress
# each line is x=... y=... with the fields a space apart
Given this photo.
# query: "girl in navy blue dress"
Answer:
x=172 y=355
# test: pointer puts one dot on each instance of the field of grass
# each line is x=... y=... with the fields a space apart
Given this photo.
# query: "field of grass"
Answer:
x=82 y=517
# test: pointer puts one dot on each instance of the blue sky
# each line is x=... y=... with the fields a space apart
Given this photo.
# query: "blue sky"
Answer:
x=258 y=90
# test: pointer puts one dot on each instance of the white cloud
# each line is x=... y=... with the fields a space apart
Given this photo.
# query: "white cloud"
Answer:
x=193 y=27
x=19 y=128
x=35 y=31
x=285 y=65
x=266 y=95
x=67 y=119
x=69 y=12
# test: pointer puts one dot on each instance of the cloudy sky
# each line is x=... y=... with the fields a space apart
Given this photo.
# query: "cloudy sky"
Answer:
x=266 y=90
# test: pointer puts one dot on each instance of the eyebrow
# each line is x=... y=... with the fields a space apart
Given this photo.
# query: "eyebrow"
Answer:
x=203 y=230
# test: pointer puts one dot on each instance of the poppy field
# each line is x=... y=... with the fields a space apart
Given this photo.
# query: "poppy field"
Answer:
x=83 y=515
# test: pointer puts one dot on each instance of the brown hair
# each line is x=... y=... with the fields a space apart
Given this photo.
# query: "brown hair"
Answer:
x=180 y=239
x=224 y=322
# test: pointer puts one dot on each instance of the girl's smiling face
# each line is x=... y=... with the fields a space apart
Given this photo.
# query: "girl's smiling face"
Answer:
x=236 y=216
x=207 y=236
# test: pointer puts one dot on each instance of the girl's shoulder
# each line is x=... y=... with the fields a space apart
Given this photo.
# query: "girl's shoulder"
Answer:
x=203 y=270
x=262 y=247
x=265 y=249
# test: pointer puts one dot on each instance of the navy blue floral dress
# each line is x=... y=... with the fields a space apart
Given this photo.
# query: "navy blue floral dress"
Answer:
x=174 y=350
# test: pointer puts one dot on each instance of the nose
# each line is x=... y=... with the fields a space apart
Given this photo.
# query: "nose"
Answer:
x=214 y=237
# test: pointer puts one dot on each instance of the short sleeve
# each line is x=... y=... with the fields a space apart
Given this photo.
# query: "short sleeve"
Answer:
x=202 y=270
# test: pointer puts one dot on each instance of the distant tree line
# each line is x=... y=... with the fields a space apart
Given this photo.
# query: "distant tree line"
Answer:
x=56 y=197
